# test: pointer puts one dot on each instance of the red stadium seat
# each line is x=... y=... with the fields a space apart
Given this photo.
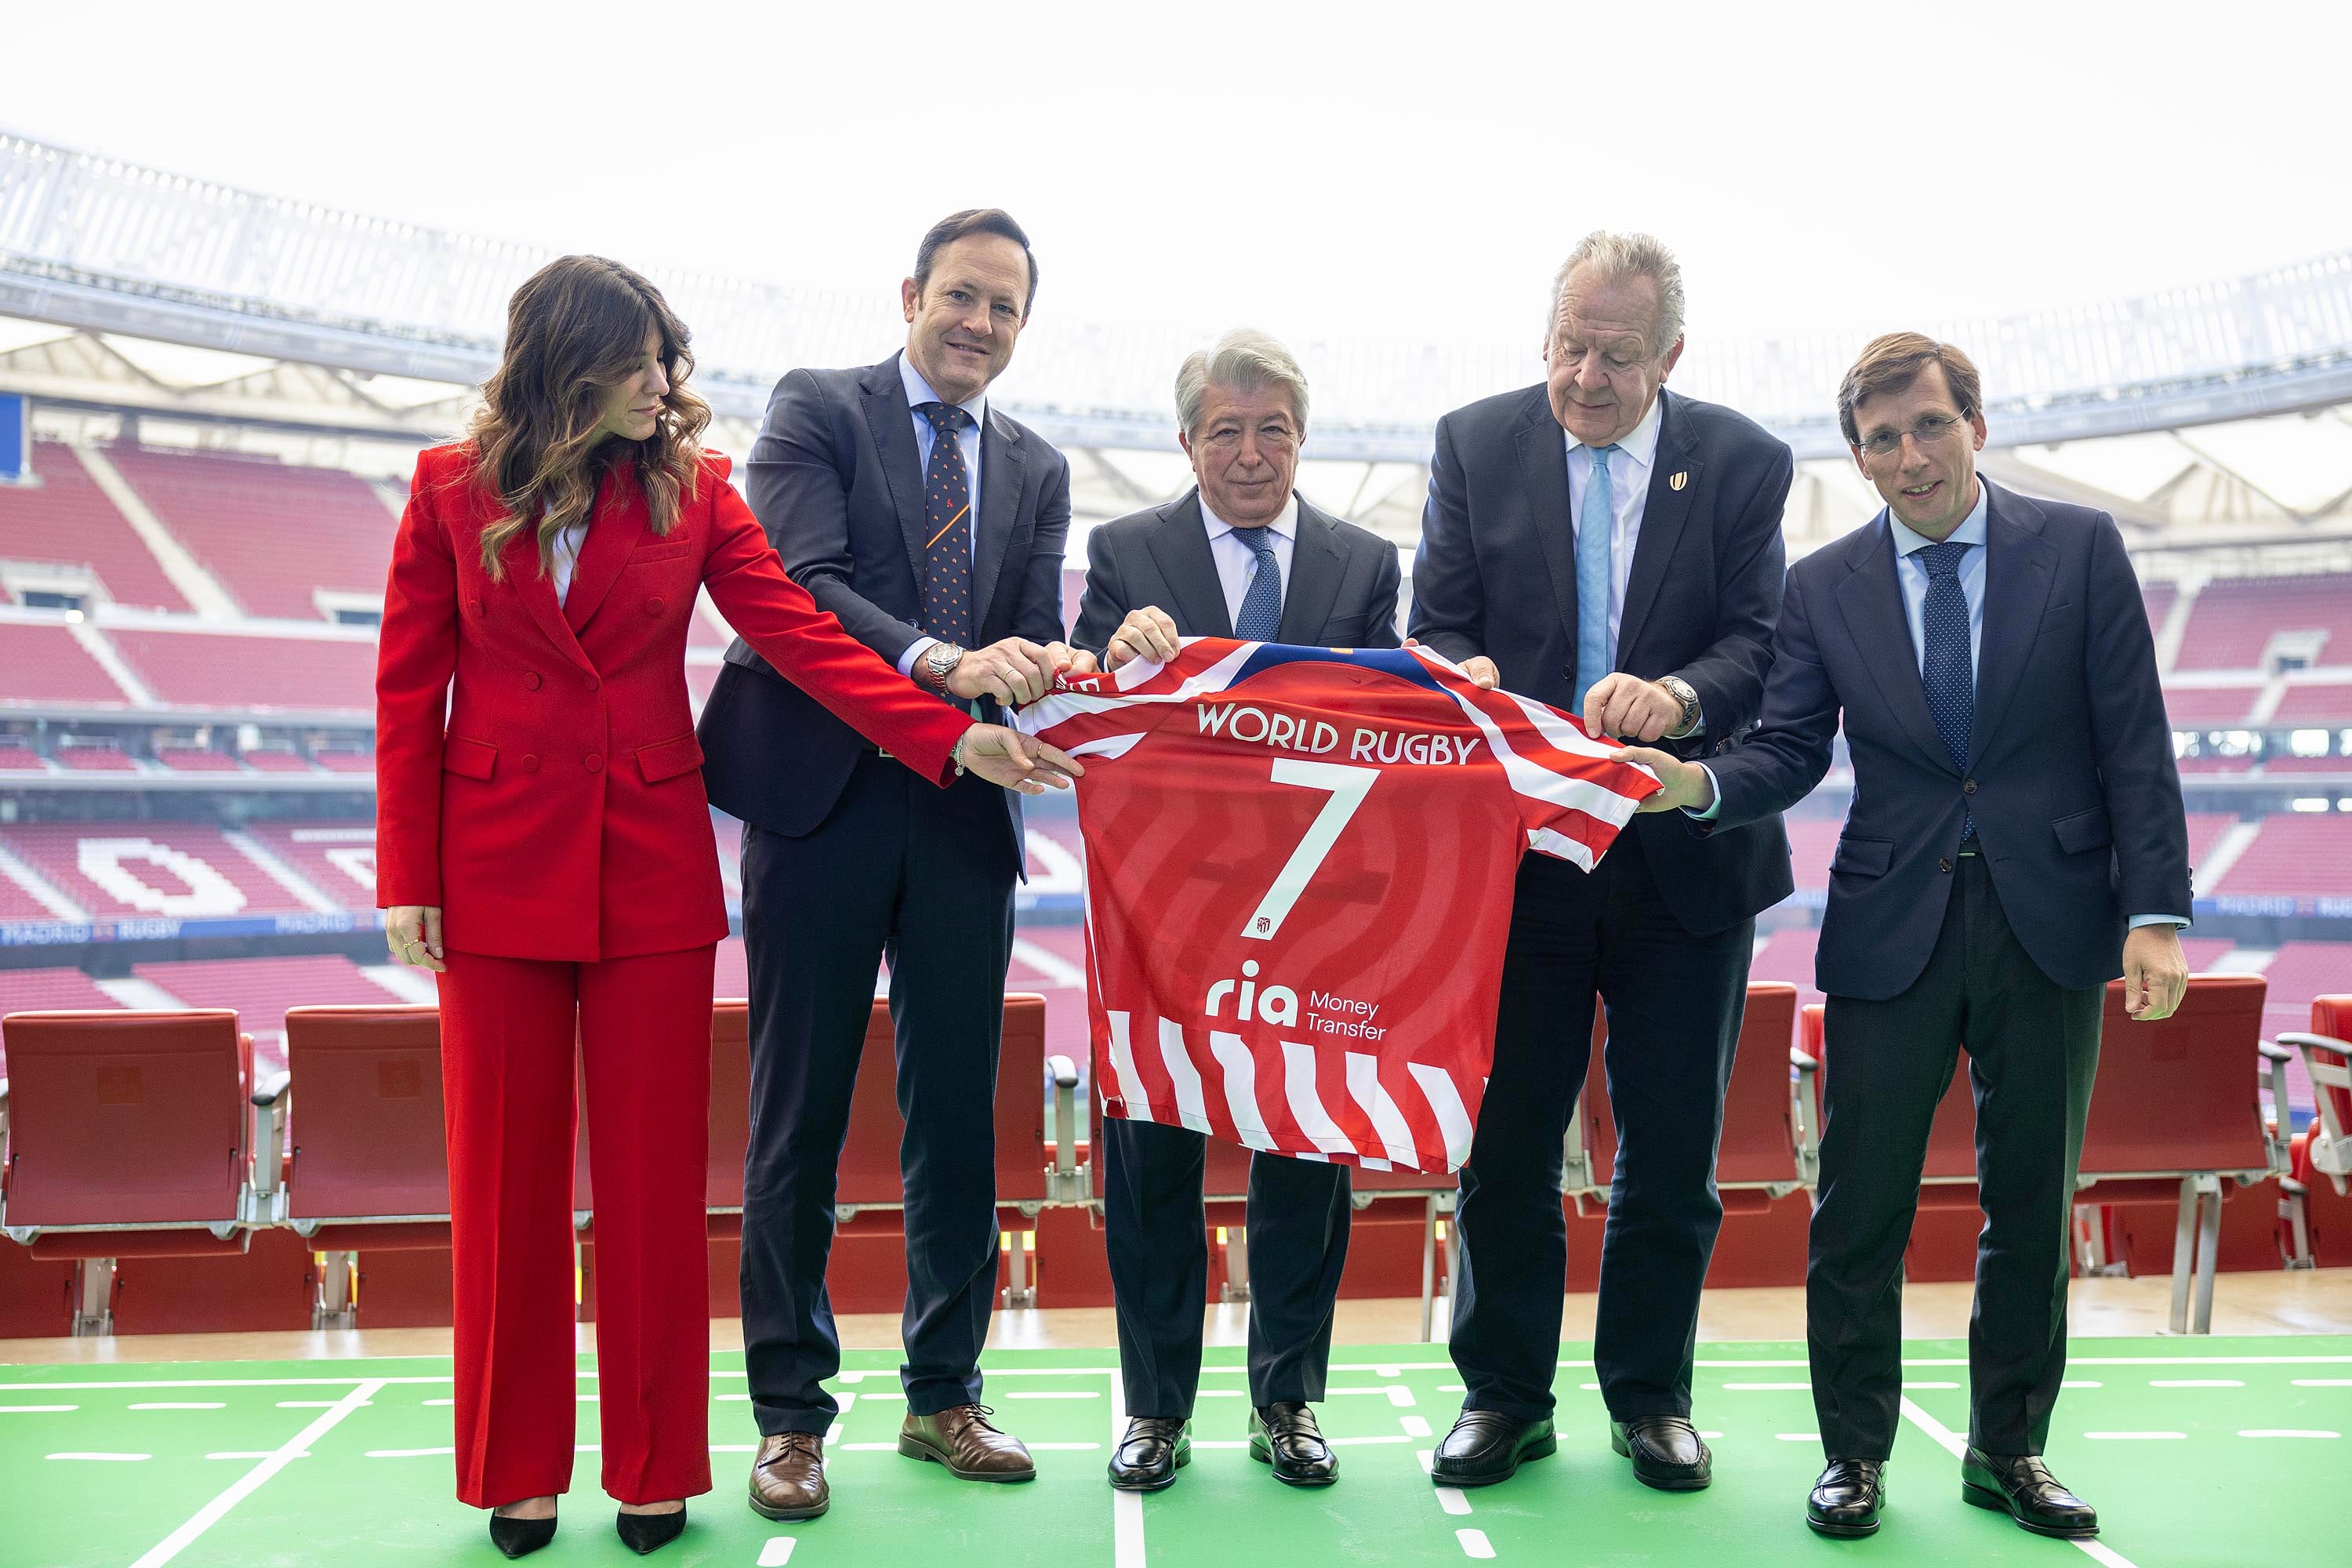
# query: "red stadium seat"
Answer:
x=127 y=1137
x=370 y=1166
x=2327 y=1051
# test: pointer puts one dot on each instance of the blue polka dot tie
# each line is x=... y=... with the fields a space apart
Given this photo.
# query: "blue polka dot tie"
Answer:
x=1261 y=615
x=1946 y=668
x=947 y=507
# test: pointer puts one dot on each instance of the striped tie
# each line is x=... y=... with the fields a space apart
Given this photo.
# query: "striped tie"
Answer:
x=947 y=508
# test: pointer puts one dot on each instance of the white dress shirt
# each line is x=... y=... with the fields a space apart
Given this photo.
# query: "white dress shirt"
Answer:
x=567 y=558
x=1629 y=494
x=919 y=390
x=1237 y=562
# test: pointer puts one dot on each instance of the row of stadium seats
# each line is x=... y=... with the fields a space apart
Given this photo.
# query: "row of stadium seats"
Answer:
x=354 y=1161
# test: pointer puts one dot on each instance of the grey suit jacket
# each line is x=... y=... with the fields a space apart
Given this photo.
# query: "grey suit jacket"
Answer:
x=1342 y=591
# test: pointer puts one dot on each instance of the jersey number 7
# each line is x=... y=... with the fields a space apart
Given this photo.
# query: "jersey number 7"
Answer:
x=1348 y=786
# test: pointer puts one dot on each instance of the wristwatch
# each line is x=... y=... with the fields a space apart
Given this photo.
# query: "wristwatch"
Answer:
x=938 y=663
x=1680 y=690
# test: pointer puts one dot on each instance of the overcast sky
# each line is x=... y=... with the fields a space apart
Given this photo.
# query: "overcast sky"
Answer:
x=1331 y=171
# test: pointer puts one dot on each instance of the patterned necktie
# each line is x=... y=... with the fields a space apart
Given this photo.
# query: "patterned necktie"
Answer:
x=947 y=509
x=1946 y=668
x=1594 y=656
x=1261 y=614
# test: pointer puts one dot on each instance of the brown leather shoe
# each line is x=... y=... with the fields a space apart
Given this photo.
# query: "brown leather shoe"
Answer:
x=963 y=1441
x=788 y=1477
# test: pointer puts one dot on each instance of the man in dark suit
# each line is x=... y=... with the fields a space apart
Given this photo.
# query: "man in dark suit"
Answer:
x=932 y=526
x=1242 y=555
x=2016 y=840
x=1613 y=549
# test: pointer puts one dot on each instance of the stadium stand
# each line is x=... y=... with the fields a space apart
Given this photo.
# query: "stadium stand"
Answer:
x=210 y=669
x=272 y=534
x=65 y=520
x=2315 y=702
x=44 y=665
x=2235 y=618
x=196 y=760
x=2298 y=853
x=261 y=991
x=147 y=869
x=91 y=756
x=275 y=760
x=338 y=858
x=2218 y=705
x=17 y=756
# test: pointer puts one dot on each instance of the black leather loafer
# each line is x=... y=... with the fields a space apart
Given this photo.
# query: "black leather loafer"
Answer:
x=1154 y=1449
x=1487 y=1447
x=1284 y=1434
x=1846 y=1500
x=1666 y=1452
x=643 y=1532
x=2022 y=1486
x=520 y=1537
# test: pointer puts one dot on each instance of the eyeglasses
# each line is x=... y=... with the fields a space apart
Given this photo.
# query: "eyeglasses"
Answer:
x=1927 y=432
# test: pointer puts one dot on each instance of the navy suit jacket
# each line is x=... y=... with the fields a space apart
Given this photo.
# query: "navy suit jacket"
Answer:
x=1342 y=591
x=1497 y=575
x=836 y=482
x=2070 y=776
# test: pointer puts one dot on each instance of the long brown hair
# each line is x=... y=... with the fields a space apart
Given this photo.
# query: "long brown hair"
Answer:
x=575 y=330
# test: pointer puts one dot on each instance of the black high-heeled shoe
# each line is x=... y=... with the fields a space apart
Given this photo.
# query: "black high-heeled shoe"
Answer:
x=520 y=1537
x=643 y=1532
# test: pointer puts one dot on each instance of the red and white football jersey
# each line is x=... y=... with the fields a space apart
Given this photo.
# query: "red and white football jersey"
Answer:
x=1299 y=870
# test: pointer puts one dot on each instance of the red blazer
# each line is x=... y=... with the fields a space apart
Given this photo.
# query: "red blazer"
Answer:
x=561 y=813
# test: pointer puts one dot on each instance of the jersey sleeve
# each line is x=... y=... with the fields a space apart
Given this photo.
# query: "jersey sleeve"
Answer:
x=1105 y=714
x=1572 y=799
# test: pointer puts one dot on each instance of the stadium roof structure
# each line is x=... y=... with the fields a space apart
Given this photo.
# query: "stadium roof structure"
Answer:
x=2208 y=418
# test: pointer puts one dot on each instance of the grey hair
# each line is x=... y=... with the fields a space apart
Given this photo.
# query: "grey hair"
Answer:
x=1245 y=361
x=1622 y=256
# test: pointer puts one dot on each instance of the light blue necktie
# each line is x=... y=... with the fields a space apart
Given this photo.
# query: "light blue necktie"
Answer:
x=1261 y=614
x=1594 y=656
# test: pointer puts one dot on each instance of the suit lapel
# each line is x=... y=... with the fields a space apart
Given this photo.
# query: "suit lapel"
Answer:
x=1180 y=547
x=2020 y=569
x=620 y=523
x=1665 y=511
x=883 y=397
x=1872 y=602
x=1316 y=565
x=1002 y=460
x=1543 y=470
x=536 y=591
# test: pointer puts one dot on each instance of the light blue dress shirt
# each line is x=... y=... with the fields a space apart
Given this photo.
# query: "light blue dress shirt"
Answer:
x=1911 y=577
x=919 y=390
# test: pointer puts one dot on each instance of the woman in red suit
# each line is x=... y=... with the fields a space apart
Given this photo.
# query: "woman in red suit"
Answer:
x=547 y=852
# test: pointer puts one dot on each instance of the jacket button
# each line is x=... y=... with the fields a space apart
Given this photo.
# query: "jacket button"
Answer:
x=531 y=764
x=1945 y=864
x=596 y=764
x=592 y=683
x=531 y=681
x=653 y=606
x=1969 y=786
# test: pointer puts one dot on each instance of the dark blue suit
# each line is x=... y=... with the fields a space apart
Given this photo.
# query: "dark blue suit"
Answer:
x=2076 y=804
x=848 y=858
x=1662 y=931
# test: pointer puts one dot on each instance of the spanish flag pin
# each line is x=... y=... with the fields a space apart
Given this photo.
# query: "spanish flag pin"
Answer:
x=1677 y=482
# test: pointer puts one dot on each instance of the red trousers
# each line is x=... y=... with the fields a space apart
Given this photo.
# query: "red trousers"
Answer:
x=643 y=1031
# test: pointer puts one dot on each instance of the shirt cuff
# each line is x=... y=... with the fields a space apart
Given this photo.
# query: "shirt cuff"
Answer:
x=2139 y=921
x=915 y=650
x=1713 y=807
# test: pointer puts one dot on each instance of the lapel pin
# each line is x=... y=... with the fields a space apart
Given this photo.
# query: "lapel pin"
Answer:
x=1678 y=480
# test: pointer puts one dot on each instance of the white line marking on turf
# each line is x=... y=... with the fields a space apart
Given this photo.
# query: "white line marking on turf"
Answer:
x=1414 y=1426
x=1388 y=1372
x=2081 y=1382
x=124 y=1458
x=254 y=1454
x=183 y=1404
x=204 y=1518
x=776 y=1551
x=2194 y=1383
x=2137 y=1436
x=2285 y=1432
x=1125 y=1507
x=832 y=1433
x=723 y=1398
x=1450 y=1499
x=1474 y=1542
x=407 y=1453
x=1711 y=1436
x=36 y=1409
x=1952 y=1444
